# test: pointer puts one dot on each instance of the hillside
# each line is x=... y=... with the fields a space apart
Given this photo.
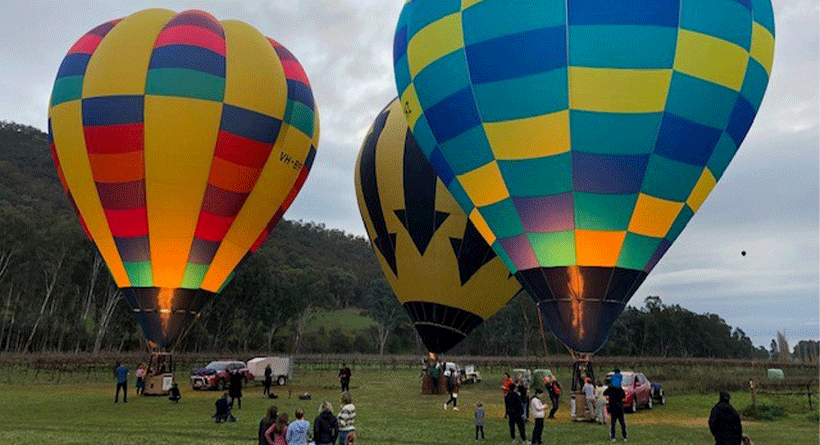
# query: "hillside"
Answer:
x=308 y=288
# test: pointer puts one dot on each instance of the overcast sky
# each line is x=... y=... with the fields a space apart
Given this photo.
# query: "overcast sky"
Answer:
x=766 y=203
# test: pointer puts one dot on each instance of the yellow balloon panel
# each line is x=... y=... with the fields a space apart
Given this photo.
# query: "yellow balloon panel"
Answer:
x=176 y=179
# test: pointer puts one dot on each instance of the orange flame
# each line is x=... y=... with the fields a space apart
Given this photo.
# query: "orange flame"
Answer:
x=164 y=299
x=576 y=294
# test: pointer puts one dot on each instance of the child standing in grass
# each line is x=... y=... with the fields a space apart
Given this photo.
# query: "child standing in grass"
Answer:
x=479 y=420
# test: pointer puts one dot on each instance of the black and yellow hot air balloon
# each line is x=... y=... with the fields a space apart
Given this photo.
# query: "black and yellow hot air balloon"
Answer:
x=181 y=140
x=442 y=271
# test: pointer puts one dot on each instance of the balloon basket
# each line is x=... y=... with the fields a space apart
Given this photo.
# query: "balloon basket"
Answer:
x=581 y=370
x=159 y=377
x=429 y=384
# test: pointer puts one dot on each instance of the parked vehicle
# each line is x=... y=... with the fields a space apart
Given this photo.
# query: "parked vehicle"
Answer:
x=279 y=366
x=215 y=375
x=638 y=390
x=538 y=377
x=470 y=375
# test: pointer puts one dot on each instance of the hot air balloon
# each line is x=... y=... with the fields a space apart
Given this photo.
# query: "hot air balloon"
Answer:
x=445 y=275
x=181 y=141
x=581 y=136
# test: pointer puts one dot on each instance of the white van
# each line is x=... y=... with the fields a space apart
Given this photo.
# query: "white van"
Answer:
x=279 y=365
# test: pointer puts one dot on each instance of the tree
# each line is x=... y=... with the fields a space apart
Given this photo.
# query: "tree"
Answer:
x=773 y=353
x=341 y=286
x=385 y=311
x=51 y=271
x=783 y=352
x=310 y=289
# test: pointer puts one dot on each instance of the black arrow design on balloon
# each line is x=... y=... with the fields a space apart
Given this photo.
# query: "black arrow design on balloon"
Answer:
x=384 y=241
x=419 y=215
x=472 y=252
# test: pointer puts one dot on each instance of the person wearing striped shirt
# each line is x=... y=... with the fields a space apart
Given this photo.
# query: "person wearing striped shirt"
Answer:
x=347 y=417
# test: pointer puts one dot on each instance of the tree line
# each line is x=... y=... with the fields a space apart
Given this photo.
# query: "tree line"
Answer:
x=56 y=293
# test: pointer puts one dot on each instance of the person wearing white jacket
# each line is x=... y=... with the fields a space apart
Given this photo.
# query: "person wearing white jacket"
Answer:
x=537 y=408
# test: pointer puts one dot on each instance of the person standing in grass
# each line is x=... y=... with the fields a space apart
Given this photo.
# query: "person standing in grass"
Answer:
x=452 y=389
x=121 y=374
x=724 y=422
x=297 y=433
x=600 y=403
x=266 y=423
x=538 y=409
x=344 y=377
x=347 y=418
x=479 y=420
x=554 y=391
x=507 y=384
x=514 y=414
x=616 y=396
x=326 y=426
x=589 y=395
x=235 y=388
x=140 y=373
x=267 y=382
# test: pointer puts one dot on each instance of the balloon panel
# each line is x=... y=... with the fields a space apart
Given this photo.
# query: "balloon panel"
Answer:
x=581 y=134
x=439 y=266
x=181 y=141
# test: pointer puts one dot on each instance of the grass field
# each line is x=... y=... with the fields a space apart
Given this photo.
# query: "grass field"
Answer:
x=390 y=411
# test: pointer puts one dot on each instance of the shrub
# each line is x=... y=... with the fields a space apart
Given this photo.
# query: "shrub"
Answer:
x=764 y=412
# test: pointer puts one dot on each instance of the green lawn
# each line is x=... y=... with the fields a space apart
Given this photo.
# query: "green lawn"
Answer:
x=390 y=411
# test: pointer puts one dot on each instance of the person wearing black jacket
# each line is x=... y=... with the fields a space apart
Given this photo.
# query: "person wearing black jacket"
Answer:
x=554 y=391
x=223 y=409
x=616 y=396
x=235 y=388
x=325 y=427
x=267 y=382
x=514 y=413
x=724 y=422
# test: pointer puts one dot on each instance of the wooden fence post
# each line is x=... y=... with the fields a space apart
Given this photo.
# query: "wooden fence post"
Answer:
x=754 y=396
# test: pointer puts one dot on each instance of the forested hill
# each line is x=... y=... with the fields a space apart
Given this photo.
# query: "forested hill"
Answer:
x=307 y=289
x=37 y=225
x=28 y=179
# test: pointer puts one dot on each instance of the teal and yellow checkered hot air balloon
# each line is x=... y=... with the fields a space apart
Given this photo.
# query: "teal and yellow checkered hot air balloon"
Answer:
x=580 y=136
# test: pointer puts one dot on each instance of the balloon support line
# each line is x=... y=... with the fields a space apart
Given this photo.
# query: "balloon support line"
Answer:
x=449 y=328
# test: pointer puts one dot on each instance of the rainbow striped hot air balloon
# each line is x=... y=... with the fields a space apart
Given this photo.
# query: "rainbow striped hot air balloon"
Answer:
x=181 y=141
x=581 y=136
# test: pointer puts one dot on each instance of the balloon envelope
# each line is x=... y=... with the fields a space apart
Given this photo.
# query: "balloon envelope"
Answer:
x=442 y=271
x=581 y=136
x=181 y=141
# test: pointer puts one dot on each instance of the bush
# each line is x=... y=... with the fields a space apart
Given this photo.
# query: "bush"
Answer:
x=814 y=417
x=338 y=342
x=764 y=412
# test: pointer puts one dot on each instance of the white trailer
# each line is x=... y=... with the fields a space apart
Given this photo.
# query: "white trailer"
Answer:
x=280 y=368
